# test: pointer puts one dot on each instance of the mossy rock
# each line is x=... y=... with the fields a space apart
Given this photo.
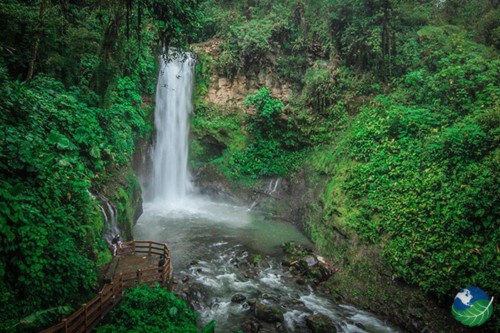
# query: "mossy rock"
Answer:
x=318 y=323
x=268 y=313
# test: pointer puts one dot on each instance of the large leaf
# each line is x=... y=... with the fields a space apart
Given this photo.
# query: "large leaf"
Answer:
x=209 y=328
x=477 y=314
x=61 y=141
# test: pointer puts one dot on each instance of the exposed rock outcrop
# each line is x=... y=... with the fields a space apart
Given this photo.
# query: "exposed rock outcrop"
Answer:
x=223 y=90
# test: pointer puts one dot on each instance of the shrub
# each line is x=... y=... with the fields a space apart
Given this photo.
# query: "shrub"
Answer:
x=151 y=309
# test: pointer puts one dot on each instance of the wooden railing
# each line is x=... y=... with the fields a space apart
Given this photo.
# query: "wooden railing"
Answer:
x=92 y=312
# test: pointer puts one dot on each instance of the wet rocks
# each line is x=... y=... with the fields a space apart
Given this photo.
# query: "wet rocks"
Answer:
x=318 y=323
x=251 y=326
x=238 y=298
x=305 y=266
x=268 y=313
x=262 y=311
x=309 y=261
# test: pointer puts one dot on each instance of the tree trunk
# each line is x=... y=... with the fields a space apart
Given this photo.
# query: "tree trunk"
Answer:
x=37 y=37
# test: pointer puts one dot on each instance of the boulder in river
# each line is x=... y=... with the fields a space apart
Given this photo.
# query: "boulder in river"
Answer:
x=309 y=261
x=238 y=298
x=268 y=313
x=251 y=326
x=318 y=323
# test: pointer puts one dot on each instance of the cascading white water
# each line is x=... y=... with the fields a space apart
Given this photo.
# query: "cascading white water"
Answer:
x=171 y=180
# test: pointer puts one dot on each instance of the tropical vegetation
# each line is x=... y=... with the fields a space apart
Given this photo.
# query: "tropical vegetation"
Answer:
x=394 y=111
x=395 y=108
x=74 y=79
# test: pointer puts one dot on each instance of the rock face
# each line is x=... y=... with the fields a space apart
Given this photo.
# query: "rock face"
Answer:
x=224 y=91
x=286 y=203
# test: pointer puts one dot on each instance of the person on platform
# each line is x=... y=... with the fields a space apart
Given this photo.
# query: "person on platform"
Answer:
x=116 y=244
x=161 y=263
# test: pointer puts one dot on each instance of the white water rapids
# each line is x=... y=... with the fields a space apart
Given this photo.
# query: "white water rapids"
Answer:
x=208 y=238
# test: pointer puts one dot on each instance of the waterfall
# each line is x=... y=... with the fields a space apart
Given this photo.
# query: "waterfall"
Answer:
x=273 y=186
x=171 y=180
x=110 y=214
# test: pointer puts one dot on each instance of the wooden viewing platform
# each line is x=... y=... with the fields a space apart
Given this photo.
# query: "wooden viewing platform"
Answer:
x=136 y=263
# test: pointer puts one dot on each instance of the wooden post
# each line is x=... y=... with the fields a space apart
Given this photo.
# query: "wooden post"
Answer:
x=139 y=273
x=100 y=305
x=113 y=292
x=86 y=318
x=121 y=284
x=65 y=322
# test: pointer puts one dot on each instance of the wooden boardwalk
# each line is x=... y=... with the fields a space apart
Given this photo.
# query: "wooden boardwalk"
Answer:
x=136 y=263
x=122 y=264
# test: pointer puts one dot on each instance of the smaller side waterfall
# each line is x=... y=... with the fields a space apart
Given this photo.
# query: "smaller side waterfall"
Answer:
x=273 y=186
x=171 y=180
x=272 y=190
x=110 y=214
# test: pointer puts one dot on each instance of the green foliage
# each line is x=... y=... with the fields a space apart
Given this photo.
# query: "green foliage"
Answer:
x=479 y=17
x=203 y=71
x=425 y=180
x=66 y=132
x=55 y=149
x=256 y=259
x=210 y=327
x=266 y=154
x=265 y=159
x=327 y=90
x=228 y=62
x=218 y=132
x=177 y=22
x=253 y=40
x=367 y=33
x=219 y=16
x=258 y=145
x=152 y=309
x=265 y=124
x=40 y=319
x=255 y=34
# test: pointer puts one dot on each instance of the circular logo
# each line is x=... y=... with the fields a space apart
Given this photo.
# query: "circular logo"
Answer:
x=472 y=306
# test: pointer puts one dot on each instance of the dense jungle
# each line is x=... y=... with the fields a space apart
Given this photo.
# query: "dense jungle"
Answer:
x=380 y=117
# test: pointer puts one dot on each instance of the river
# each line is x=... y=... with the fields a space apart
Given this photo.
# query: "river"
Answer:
x=209 y=239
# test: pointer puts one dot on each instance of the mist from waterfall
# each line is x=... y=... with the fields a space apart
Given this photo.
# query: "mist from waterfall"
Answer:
x=171 y=180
